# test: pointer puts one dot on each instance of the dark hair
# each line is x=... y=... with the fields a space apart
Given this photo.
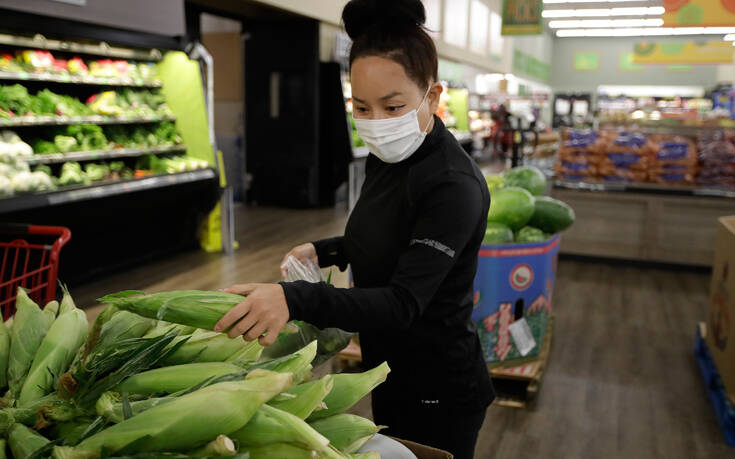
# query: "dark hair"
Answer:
x=392 y=29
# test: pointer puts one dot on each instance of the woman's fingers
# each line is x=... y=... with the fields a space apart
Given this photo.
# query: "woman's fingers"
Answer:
x=245 y=324
x=240 y=289
x=233 y=315
x=256 y=331
x=272 y=335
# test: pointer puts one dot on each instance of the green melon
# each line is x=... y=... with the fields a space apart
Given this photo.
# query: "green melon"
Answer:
x=512 y=207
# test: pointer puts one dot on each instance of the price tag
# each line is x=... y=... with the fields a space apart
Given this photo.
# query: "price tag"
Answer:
x=522 y=336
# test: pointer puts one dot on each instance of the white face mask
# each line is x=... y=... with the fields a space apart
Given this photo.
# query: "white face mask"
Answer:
x=393 y=139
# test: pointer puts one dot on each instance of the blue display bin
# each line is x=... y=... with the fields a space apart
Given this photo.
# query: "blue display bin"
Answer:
x=513 y=281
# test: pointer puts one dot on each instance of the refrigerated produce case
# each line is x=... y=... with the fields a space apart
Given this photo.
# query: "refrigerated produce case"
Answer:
x=118 y=139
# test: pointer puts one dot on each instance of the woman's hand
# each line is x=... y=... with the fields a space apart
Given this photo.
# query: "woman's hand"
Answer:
x=303 y=253
x=264 y=310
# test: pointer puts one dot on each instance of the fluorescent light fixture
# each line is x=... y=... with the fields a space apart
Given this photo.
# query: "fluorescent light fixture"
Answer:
x=605 y=23
x=650 y=91
x=645 y=32
x=604 y=12
x=729 y=37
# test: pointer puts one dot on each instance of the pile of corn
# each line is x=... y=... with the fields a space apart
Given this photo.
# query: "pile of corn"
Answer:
x=149 y=379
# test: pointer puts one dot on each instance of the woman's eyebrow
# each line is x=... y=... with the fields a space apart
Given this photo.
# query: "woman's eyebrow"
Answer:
x=388 y=96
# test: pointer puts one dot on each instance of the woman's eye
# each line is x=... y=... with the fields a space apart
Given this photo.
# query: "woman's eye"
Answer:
x=361 y=109
x=395 y=108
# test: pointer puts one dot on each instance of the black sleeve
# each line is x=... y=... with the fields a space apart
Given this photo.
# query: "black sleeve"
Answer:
x=448 y=216
x=330 y=253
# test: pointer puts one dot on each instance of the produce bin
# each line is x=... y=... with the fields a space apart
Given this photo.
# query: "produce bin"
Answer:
x=513 y=281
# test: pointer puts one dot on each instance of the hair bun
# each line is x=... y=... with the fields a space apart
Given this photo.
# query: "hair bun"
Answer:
x=361 y=15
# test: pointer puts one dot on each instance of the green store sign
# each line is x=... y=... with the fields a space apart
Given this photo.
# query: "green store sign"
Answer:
x=522 y=17
x=525 y=64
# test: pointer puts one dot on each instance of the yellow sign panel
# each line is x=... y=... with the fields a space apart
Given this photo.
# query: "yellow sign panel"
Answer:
x=684 y=52
x=699 y=13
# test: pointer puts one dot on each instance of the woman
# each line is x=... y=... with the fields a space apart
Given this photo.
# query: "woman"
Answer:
x=412 y=242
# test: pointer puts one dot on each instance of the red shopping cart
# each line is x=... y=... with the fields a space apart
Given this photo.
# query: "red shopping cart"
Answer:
x=29 y=258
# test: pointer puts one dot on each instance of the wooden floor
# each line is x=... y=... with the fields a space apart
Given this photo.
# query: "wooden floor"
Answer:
x=622 y=380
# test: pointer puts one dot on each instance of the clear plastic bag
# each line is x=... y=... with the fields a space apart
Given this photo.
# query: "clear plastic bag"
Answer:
x=298 y=270
x=298 y=334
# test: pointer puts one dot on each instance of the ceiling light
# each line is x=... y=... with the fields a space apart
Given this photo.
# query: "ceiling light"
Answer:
x=604 y=12
x=609 y=23
x=645 y=32
x=586 y=1
x=729 y=37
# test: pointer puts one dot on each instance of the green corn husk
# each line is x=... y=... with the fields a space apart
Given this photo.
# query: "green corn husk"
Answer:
x=305 y=398
x=51 y=311
x=206 y=346
x=67 y=303
x=167 y=380
x=162 y=327
x=124 y=325
x=350 y=388
x=4 y=354
x=24 y=441
x=271 y=425
x=189 y=421
x=299 y=362
x=365 y=455
x=29 y=328
x=3 y=447
x=219 y=447
x=346 y=432
x=106 y=368
x=278 y=451
x=111 y=407
x=251 y=352
x=54 y=355
x=69 y=433
x=195 y=308
x=9 y=324
x=27 y=415
x=297 y=334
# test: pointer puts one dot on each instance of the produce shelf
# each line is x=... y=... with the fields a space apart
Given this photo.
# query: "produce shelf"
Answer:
x=72 y=79
x=57 y=158
x=101 y=190
x=680 y=190
x=101 y=49
x=20 y=121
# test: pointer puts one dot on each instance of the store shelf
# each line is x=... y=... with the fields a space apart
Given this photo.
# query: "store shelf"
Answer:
x=72 y=79
x=100 y=49
x=57 y=158
x=102 y=190
x=680 y=190
x=21 y=121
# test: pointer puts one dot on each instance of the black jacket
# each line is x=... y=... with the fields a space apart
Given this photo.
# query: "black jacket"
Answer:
x=412 y=242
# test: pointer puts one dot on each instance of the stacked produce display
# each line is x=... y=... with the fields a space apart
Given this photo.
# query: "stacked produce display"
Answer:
x=633 y=157
x=519 y=211
x=150 y=379
x=71 y=122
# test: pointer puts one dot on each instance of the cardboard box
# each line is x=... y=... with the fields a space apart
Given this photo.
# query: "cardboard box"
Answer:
x=425 y=452
x=721 y=317
x=513 y=282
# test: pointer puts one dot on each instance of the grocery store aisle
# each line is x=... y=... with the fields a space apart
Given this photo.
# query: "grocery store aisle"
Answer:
x=622 y=380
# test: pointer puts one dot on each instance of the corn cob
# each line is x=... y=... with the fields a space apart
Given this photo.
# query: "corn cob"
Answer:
x=67 y=303
x=298 y=363
x=9 y=324
x=111 y=408
x=29 y=328
x=51 y=311
x=271 y=425
x=251 y=352
x=194 y=308
x=162 y=327
x=305 y=398
x=187 y=422
x=346 y=432
x=349 y=389
x=24 y=441
x=167 y=380
x=206 y=346
x=54 y=355
x=27 y=415
x=123 y=325
x=4 y=354
x=220 y=446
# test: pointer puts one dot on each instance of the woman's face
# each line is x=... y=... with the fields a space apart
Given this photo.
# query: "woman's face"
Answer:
x=381 y=89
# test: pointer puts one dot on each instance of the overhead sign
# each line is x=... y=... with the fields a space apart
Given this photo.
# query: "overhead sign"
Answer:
x=684 y=52
x=699 y=13
x=522 y=17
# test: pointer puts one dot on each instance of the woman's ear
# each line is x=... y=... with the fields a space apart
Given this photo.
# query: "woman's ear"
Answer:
x=434 y=95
